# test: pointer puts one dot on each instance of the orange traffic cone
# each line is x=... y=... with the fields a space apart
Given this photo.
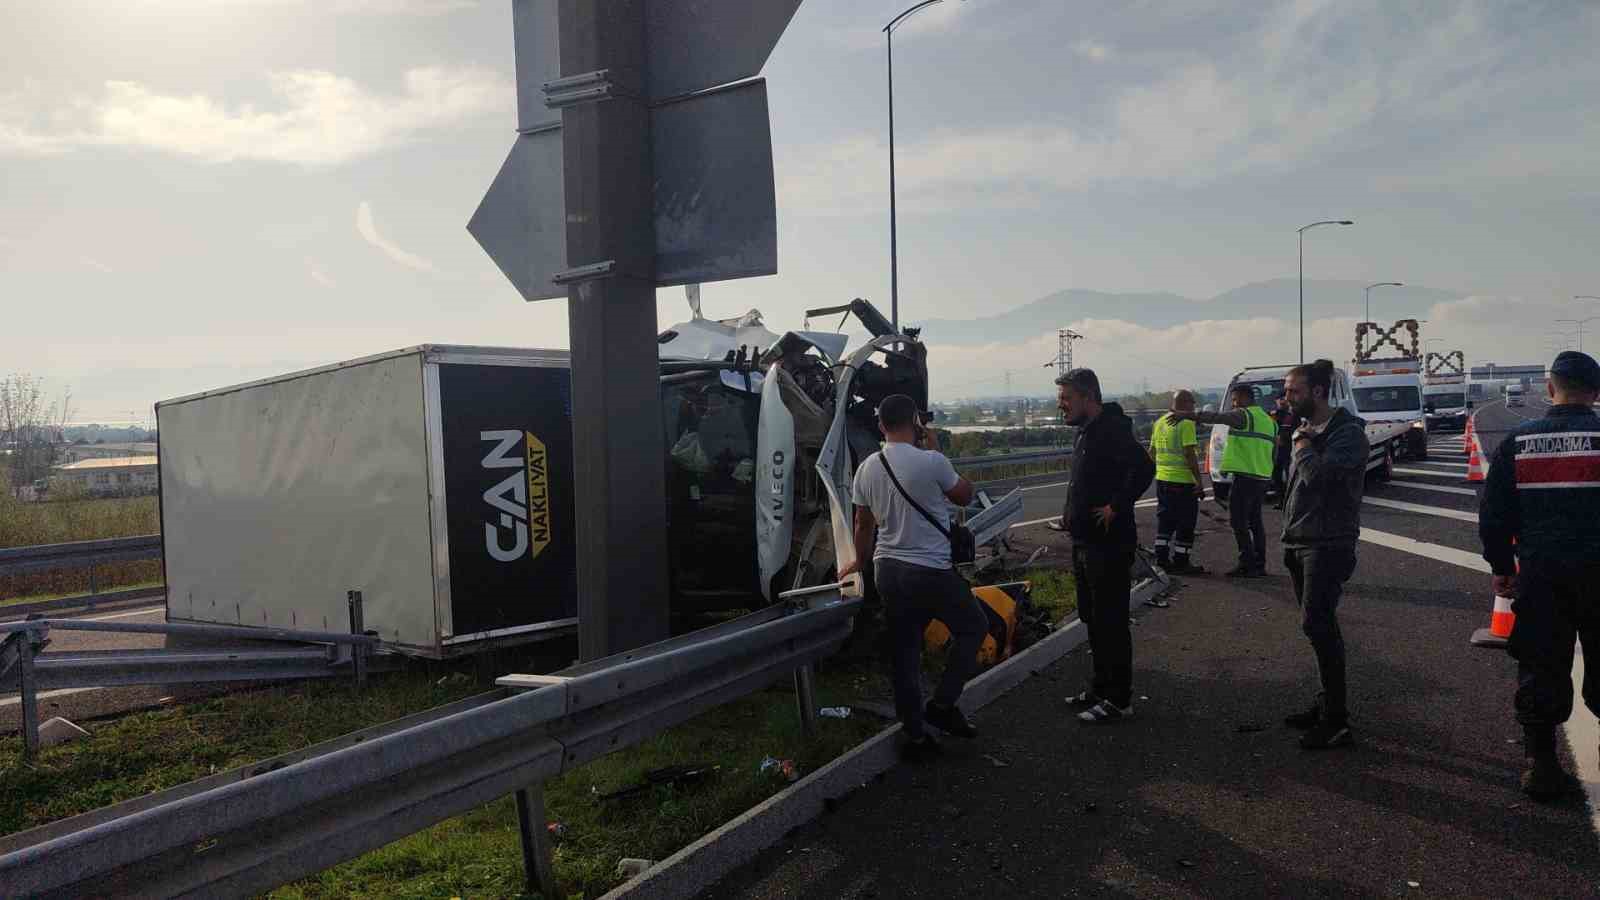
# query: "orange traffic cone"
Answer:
x=1476 y=470
x=1500 y=622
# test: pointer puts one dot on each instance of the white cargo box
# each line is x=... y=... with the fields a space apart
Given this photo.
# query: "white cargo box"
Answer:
x=436 y=480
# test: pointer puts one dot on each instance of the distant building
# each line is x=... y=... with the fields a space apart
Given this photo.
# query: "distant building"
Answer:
x=121 y=475
x=78 y=452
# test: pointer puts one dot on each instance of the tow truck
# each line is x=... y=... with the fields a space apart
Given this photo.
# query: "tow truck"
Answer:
x=1390 y=439
x=1444 y=391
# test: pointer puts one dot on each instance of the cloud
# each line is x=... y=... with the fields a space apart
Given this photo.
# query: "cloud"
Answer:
x=1093 y=50
x=315 y=270
x=95 y=264
x=316 y=118
x=368 y=230
x=1313 y=80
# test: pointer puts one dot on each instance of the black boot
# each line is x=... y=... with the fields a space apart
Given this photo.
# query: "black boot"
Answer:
x=1545 y=779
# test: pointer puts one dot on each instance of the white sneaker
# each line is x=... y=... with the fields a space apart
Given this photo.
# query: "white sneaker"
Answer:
x=1105 y=712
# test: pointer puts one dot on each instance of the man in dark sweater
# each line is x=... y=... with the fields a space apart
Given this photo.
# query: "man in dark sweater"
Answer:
x=1321 y=525
x=1110 y=471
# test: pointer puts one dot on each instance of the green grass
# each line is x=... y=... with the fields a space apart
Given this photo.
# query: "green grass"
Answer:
x=1053 y=591
x=62 y=521
x=476 y=854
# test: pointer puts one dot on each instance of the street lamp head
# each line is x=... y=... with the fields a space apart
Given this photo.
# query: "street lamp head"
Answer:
x=889 y=28
x=1346 y=222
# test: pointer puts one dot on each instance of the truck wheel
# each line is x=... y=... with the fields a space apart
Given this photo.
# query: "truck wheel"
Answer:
x=1385 y=472
x=1419 y=446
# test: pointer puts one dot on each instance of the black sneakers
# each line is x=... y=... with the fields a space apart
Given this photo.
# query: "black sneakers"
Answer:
x=1326 y=735
x=950 y=720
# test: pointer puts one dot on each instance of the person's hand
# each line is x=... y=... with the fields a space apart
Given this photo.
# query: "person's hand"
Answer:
x=1505 y=586
x=849 y=569
x=1302 y=441
x=1105 y=515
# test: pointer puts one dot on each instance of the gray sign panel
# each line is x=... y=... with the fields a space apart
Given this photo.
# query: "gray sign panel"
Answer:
x=715 y=209
x=692 y=45
x=521 y=222
x=538 y=50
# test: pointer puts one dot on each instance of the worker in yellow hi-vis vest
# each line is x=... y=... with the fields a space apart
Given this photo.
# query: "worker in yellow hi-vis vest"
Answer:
x=1179 y=487
x=1252 y=436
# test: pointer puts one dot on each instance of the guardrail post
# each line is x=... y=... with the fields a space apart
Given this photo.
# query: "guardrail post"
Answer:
x=30 y=699
x=805 y=696
x=538 y=862
x=358 y=651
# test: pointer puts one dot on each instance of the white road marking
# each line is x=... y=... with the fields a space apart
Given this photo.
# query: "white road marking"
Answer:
x=1442 y=465
x=1583 y=733
x=1415 y=547
x=45 y=695
x=1398 y=470
x=1443 y=489
x=125 y=615
x=1425 y=510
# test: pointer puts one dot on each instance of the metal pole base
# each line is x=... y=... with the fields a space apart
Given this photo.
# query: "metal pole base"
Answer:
x=538 y=863
x=805 y=696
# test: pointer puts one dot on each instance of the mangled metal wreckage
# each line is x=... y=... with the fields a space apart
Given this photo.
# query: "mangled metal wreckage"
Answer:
x=769 y=429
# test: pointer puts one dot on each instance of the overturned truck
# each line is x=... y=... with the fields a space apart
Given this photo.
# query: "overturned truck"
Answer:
x=437 y=481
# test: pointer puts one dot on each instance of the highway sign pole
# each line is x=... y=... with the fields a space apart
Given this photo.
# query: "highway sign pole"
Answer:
x=643 y=159
x=618 y=453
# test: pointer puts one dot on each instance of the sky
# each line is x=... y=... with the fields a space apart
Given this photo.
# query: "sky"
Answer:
x=202 y=192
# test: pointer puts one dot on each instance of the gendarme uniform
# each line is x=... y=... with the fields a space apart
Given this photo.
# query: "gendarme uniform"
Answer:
x=1541 y=509
x=1177 y=506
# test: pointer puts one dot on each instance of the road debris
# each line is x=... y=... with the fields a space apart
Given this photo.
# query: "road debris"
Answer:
x=772 y=766
x=834 y=712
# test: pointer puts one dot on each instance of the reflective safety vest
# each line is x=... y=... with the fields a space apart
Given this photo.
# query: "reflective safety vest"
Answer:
x=1249 y=450
x=1168 y=438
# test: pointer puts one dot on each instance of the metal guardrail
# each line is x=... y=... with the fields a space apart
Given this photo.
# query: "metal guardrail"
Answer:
x=79 y=555
x=22 y=645
x=1006 y=459
x=260 y=826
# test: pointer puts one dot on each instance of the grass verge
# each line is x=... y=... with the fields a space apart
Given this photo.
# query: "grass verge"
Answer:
x=476 y=854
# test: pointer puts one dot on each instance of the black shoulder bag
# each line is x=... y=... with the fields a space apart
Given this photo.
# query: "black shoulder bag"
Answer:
x=963 y=549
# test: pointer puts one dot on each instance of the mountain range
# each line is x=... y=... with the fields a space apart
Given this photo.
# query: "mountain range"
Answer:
x=1275 y=299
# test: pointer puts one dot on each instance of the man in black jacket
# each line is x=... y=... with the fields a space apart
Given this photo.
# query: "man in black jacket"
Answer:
x=1321 y=525
x=1541 y=506
x=1110 y=470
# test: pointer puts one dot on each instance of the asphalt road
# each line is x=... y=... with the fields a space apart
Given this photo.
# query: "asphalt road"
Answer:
x=1205 y=793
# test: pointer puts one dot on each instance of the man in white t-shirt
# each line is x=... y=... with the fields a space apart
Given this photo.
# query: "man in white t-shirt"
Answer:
x=914 y=574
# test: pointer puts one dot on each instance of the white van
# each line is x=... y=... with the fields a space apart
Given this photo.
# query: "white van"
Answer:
x=1388 y=439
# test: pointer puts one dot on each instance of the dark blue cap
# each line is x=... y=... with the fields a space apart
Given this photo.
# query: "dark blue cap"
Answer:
x=1579 y=368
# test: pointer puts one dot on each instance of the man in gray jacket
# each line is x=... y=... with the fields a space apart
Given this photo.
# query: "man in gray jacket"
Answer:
x=1321 y=524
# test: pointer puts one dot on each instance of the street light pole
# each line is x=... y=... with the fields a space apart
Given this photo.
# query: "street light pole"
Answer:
x=1302 y=232
x=1580 y=323
x=894 y=254
x=1379 y=284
